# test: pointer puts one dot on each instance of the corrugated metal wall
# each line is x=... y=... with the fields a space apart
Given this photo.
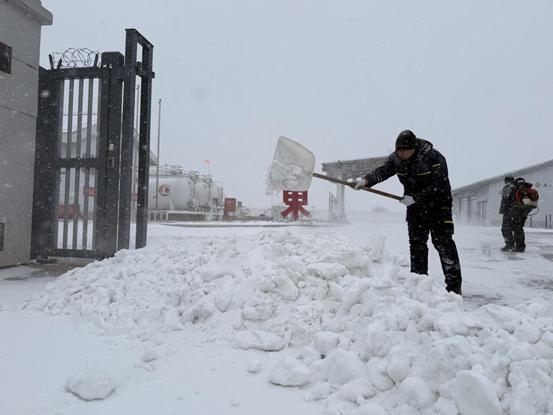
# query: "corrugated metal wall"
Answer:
x=479 y=204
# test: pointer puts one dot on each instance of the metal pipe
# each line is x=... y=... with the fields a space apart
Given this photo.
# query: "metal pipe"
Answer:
x=78 y=154
x=87 y=154
x=135 y=153
x=158 y=143
x=137 y=106
x=68 y=153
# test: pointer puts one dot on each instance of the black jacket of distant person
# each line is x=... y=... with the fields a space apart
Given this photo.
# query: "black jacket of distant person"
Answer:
x=508 y=198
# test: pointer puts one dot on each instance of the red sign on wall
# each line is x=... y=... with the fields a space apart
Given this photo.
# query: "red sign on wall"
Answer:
x=230 y=206
x=89 y=191
x=295 y=202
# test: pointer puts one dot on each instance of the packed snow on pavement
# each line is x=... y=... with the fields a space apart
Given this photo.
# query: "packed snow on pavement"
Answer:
x=295 y=320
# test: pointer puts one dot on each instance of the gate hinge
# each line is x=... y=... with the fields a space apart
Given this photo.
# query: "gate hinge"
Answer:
x=146 y=74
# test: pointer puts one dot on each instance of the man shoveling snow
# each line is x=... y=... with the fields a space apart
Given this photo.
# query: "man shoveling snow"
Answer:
x=422 y=170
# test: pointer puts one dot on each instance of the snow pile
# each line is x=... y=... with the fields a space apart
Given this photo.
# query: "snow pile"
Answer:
x=362 y=335
x=274 y=283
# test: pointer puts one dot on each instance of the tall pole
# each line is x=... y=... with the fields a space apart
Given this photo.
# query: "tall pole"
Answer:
x=158 y=158
x=135 y=155
x=137 y=105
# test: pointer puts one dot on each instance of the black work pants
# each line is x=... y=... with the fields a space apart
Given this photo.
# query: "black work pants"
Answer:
x=518 y=221
x=512 y=228
x=507 y=229
x=438 y=223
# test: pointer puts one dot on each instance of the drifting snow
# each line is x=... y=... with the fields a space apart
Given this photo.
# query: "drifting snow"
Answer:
x=360 y=333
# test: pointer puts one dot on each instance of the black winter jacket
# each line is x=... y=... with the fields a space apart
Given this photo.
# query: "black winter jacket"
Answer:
x=507 y=198
x=424 y=176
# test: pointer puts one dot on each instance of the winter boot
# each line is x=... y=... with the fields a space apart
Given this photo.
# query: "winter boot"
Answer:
x=507 y=248
x=454 y=288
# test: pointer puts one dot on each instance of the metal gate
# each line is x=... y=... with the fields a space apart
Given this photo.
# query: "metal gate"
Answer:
x=88 y=146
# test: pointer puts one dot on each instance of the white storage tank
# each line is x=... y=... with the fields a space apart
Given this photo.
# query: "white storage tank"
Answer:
x=217 y=194
x=179 y=189
x=202 y=192
x=174 y=193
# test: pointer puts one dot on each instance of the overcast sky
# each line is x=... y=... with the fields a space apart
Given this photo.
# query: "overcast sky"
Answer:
x=341 y=77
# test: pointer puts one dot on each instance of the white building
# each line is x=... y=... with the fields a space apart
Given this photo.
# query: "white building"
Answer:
x=478 y=203
x=20 y=28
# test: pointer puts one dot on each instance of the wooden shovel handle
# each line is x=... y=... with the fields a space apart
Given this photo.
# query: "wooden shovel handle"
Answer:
x=352 y=185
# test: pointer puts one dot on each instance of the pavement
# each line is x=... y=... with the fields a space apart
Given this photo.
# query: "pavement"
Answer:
x=18 y=283
x=46 y=270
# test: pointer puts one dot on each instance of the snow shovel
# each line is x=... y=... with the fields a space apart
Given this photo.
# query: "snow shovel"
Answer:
x=293 y=168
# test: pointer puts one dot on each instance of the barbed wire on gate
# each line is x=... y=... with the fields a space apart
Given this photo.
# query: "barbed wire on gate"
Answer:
x=75 y=58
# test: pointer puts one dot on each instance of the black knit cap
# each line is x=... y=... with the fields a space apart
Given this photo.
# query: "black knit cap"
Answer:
x=509 y=179
x=406 y=140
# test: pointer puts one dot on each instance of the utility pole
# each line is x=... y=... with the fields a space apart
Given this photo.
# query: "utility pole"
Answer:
x=158 y=158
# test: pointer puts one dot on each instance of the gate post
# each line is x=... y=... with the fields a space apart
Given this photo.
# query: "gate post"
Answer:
x=108 y=153
x=44 y=193
x=127 y=143
x=143 y=69
x=144 y=149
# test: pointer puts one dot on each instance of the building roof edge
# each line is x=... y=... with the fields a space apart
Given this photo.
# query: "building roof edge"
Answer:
x=518 y=172
x=35 y=9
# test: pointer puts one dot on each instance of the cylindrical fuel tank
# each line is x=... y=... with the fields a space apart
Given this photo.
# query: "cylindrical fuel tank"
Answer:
x=174 y=193
x=219 y=194
x=201 y=192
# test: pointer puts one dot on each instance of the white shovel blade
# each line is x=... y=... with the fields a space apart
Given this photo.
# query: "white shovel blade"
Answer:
x=292 y=167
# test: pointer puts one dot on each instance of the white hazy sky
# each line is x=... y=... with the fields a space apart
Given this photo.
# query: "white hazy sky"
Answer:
x=342 y=77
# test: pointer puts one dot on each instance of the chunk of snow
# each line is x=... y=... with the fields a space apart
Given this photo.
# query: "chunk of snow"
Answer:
x=325 y=341
x=255 y=366
x=259 y=340
x=415 y=392
x=327 y=271
x=474 y=394
x=91 y=385
x=149 y=356
x=289 y=372
x=341 y=366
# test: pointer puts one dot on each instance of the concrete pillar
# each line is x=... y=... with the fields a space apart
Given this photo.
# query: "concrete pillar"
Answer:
x=341 y=205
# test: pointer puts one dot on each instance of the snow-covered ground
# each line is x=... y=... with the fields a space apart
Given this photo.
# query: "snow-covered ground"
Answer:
x=310 y=320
